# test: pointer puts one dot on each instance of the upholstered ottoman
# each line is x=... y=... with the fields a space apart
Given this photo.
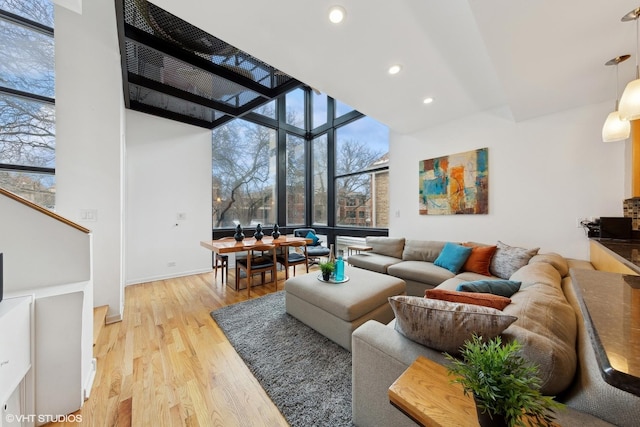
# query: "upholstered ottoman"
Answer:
x=337 y=309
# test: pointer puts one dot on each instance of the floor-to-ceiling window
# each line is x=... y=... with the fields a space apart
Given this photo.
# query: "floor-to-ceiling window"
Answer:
x=27 y=105
x=295 y=172
x=321 y=163
x=361 y=167
x=244 y=174
x=320 y=180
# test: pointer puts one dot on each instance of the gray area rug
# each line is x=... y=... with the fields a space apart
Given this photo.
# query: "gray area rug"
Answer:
x=306 y=375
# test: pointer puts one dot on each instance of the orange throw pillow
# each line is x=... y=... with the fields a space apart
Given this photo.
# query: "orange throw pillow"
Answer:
x=480 y=259
x=476 y=298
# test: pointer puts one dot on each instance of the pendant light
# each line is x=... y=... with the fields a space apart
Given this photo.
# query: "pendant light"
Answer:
x=630 y=100
x=616 y=128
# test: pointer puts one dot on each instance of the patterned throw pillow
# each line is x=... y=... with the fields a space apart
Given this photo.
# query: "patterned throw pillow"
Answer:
x=509 y=259
x=476 y=298
x=505 y=288
x=444 y=325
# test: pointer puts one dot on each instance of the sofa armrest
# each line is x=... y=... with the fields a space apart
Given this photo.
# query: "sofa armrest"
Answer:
x=380 y=355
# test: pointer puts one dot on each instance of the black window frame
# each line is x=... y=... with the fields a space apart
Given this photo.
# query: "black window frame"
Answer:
x=45 y=30
x=282 y=128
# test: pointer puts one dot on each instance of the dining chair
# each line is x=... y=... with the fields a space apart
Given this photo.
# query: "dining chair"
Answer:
x=289 y=258
x=222 y=261
x=315 y=250
x=260 y=259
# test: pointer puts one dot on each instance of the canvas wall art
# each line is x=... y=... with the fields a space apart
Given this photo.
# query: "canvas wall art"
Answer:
x=455 y=184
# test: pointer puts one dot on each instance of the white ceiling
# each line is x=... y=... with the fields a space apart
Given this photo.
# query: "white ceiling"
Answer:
x=535 y=56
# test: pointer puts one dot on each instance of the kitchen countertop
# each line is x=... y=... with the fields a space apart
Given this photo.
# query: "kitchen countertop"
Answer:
x=627 y=252
x=611 y=306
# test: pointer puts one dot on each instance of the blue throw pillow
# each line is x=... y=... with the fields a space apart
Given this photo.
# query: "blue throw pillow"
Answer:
x=453 y=257
x=506 y=288
x=315 y=238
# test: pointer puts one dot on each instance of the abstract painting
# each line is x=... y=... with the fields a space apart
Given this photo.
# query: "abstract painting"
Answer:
x=455 y=184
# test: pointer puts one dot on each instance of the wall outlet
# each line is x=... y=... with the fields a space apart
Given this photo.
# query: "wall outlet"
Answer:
x=89 y=215
x=580 y=220
x=171 y=264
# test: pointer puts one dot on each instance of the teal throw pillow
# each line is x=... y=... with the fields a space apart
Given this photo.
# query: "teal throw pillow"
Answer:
x=453 y=257
x=506 y=288
x=312 y=236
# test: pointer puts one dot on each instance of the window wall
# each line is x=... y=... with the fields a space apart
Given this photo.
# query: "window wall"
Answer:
x=322 y=164
x=27 y=100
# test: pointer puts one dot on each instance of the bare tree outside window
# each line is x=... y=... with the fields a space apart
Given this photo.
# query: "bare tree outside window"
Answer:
x=361 y=186
x=27 y=132
x=354 y=192
x=320 y=180
x=295 y=180
x=243 y=168
x=27 y=122
x=36 y=10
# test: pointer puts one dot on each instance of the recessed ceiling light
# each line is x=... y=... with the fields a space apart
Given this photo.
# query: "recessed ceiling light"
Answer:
x=428 y=100
x=395 y=69
x=337 y=14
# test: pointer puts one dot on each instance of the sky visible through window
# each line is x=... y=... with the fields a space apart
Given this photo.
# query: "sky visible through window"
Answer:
x=366 y=129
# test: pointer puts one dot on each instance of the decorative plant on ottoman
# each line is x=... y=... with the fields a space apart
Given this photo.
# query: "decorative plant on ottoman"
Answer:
x=326 y=268
x=505 y=386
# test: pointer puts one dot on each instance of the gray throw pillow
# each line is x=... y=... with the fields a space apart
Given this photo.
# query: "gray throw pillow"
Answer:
x=509 y=259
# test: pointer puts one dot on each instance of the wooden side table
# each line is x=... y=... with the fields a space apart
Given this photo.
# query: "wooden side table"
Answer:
x=425 y=394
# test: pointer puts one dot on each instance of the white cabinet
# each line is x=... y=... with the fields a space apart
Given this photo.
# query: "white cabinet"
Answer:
x=16 y=383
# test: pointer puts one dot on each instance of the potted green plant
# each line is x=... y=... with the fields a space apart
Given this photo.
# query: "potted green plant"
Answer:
x=505 y=386
x=326 y=268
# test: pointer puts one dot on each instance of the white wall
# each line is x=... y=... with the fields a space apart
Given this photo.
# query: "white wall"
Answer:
x=89 y=138
x=39 y=250
x=51 y=260
x=168 y=172
x=543 y=174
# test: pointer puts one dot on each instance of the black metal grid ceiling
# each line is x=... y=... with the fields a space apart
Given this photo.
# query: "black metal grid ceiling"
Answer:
x=175 y=70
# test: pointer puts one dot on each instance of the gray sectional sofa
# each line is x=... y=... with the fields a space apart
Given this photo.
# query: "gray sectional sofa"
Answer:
x=550 y=327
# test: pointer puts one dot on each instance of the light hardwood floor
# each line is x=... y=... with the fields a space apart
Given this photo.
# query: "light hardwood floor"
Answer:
x=168 y=364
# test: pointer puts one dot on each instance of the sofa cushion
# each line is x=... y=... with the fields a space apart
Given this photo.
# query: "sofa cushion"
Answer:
x=508 y=259
x=372 y=261
x=422 y=250
x=504 y=288
x=467 y=276
x=388 y=246
x=476 y=298
x=546 y=326
x=445 y=325
x=555 y=260
x=452 y=257
x=420 y=271
x=480 y=259
x=537 y=273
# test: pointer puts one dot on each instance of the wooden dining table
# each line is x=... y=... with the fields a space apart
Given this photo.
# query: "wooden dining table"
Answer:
x=225 y=246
